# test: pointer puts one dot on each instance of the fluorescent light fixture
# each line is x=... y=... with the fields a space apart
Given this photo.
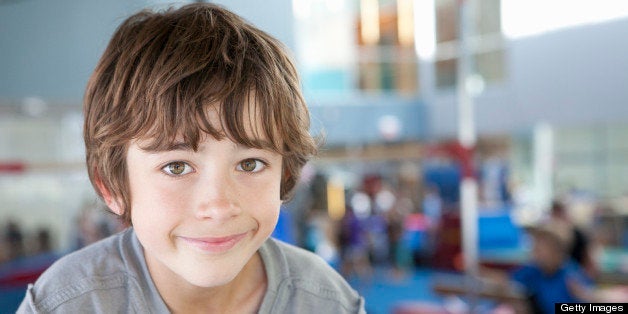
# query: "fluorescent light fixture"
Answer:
x=532 y=17
x=369 y=16
x=425 y=29
x=405 y=23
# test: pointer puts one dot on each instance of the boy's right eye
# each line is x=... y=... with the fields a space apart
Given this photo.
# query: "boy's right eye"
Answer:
x=177 y=168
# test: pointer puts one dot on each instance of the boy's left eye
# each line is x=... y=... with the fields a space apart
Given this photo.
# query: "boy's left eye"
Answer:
x=177 y=168
x=251 y=165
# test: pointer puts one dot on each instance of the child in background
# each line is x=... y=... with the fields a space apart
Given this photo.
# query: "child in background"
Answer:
x=551 y=276
x=195 y=131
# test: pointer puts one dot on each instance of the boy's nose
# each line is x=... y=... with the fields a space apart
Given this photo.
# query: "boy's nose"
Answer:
x=217 y=199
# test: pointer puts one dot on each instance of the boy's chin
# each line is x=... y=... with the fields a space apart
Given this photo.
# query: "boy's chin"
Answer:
x=210 y=280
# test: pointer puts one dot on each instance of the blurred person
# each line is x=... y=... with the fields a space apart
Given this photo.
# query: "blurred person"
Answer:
x=550 y=276
x=85 y=232
x=433 y=211
x=4 y=251
x=395 y=218
x=387 y=206
x=375 y=222
x=377 y=235
x=195 y=132
x=580 y=246
x=320 y=237
x=432 y=205
x=14 y=239
x=311 y=208
x=354 y=250
x=553 y=276
x=43 y=241
x=94 y=224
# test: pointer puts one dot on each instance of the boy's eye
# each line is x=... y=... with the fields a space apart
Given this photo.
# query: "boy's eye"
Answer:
x=251 y=165
x=177 y=168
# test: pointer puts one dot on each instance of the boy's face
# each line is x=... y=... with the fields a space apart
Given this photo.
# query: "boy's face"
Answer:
x=202 y=215
x=547 y=254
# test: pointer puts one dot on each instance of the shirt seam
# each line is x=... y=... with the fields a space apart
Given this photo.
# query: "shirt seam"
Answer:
x=82 y=287
x=316 y=290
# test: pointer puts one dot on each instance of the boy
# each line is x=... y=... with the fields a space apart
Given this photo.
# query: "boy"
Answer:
x=551 y=276
x=195 y=132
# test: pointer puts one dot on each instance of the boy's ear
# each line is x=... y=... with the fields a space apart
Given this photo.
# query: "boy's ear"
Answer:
x=114 y=204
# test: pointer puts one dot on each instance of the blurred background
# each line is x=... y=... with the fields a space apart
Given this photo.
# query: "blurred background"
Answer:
x=526 y=100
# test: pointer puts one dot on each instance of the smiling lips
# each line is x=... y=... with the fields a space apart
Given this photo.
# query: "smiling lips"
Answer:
x=215 y=245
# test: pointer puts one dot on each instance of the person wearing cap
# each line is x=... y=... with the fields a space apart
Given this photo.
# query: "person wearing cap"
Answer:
x=551 y=276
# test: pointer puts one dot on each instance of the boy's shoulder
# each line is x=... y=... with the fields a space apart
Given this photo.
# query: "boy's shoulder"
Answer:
x=301 y=264
x=99 y=258
x=298 y=259
x=303 y=279
x=94 y=275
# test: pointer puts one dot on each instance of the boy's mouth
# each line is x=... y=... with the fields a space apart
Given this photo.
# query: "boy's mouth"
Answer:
x=215 y=245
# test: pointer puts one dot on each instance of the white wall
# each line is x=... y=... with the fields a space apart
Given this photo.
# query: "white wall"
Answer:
x=568 y=77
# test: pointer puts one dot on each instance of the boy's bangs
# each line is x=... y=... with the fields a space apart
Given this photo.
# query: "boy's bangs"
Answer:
x=244 y=120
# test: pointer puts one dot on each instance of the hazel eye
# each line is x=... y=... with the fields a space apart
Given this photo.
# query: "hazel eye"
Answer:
x=177 y=168
x=251 y=165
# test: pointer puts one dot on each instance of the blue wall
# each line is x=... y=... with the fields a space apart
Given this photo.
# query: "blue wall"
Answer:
x=48 y=48
x=568 y=77
x=355 y=120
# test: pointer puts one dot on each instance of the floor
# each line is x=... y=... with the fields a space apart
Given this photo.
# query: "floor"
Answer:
x=385 y=291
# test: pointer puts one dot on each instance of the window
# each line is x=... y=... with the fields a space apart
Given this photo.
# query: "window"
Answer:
x=387 y=60
x=486 y=42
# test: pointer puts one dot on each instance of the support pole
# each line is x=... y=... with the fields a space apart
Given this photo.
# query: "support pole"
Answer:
x=467 y=140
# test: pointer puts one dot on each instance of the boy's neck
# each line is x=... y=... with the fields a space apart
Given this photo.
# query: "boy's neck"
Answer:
x=244 y=294
x=550 y=268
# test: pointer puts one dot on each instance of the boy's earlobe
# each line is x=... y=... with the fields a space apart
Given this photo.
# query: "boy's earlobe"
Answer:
x=113 y=204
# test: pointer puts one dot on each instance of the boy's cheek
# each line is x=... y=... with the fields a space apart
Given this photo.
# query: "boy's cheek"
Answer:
x=155 y=201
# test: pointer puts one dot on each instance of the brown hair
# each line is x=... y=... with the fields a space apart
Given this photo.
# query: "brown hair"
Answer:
x=162 y=71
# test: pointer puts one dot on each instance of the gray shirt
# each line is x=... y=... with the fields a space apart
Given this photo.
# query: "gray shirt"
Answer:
x=111 y=277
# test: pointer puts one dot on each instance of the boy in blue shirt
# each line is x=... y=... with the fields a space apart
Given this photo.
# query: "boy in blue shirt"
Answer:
x=551 y=276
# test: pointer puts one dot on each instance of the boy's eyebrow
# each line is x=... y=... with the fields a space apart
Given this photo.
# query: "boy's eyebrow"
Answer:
x=171 y=147
x=263 y=144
